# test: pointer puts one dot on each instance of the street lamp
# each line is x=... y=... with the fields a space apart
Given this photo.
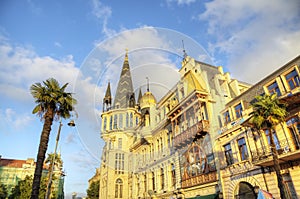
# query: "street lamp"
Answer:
x=72 y=124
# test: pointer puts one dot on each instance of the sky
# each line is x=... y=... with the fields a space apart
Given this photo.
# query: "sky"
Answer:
x=83 y=42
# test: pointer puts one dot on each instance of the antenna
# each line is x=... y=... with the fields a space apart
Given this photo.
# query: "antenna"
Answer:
x=147 y=84
x=184 y=52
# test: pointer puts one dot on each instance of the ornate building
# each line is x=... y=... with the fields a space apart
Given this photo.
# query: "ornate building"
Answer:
x=197 y=141
x=165 y=148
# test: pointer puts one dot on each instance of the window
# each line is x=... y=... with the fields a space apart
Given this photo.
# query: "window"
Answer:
x=115 y=121
x=110 y=122
x=162 y=178
x=136 y=121
x=173 y=174
x=119 y=188
x=226 y=117
x=194 y=162
x=161 y=144
x=169 y=138
x=127 y=120
x=211 y=162
x=273 y=88
x=120 y=120
x=119 y=163
x=120 y=143
x=131 y=118
x=145 y=182
x=275 y=139
x=293 y=125
x=104 y=125
x=238 y=110
x=228 y=154
x=243 y=149
x=153 y=181
x=292 y=79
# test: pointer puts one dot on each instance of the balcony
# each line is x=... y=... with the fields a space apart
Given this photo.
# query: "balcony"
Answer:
x=200 y=179
x=199 y=129
x=287 y=150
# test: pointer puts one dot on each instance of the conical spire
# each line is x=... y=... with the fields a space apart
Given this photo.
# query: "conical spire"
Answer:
x=140 y=96
x=124 y=97
x=107 y=99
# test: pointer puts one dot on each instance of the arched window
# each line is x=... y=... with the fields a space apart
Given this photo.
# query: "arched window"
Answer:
x=173 y=174
x=162 y=178
x=119 y=188
x=136 y=121
x=131 y=120
x=120 y=120
x=153 y=181
x=104 y=123
x=110 y=122
x=115 y=121
x=194 y=162
x=127 y=119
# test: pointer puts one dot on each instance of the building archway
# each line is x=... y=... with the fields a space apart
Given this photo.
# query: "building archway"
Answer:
x=245 y=191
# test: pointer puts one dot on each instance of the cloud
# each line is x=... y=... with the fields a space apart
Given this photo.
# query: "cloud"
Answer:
x=21 y=67
x=181 y=2
x=103 y=13
x=253 y=35
x=11 y=119
x=57 y=44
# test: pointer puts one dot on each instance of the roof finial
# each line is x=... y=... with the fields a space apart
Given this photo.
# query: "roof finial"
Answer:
x=184 y=52
x=147 y=84
x=126 y=54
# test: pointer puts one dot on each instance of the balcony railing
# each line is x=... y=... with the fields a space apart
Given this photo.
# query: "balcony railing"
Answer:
x=201 y=128
x=200 y=179
x=287 y=149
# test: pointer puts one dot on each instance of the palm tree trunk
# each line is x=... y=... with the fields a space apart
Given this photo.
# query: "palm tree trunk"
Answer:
x=277 y=166
x=41 y=153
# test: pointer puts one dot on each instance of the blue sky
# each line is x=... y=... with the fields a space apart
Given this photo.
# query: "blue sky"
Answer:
x=83 y=42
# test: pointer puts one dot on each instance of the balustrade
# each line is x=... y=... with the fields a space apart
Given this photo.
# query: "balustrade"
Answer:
x=188 y=135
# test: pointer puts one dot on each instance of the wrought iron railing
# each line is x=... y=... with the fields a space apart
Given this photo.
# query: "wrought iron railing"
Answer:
x=285 y=146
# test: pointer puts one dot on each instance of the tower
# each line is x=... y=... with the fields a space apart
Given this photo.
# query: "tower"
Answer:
x=119 y=120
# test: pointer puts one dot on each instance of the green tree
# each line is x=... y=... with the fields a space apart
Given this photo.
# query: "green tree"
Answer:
x=52 y=102
x=267 y=113
x=23 y=189
x=3 y=191
x=93 y=190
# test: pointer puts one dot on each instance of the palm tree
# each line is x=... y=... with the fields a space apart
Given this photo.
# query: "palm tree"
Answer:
x=268 y=112
x=53 y=159
x=57 y=159
x=52 y=103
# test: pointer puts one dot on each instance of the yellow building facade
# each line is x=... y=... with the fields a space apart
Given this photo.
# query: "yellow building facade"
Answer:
x=196 y=141
x=165 y=148
x=246 y=162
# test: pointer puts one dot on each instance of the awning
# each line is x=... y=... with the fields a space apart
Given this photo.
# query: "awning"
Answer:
x=264 y=195
x=211 y=196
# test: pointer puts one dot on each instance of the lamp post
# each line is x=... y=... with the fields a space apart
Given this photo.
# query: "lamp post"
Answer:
x=71 y=123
